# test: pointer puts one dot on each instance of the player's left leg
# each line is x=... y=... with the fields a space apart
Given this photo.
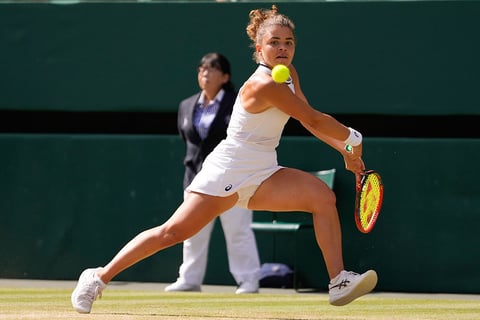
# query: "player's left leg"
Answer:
x=295 y=190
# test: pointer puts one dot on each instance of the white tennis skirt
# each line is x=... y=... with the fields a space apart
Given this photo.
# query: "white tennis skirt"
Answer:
x=234 y=167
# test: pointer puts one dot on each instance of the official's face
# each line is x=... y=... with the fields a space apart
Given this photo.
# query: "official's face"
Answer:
x=211 y=79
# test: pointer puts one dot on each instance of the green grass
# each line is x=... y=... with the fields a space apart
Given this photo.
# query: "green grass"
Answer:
x=21 y=303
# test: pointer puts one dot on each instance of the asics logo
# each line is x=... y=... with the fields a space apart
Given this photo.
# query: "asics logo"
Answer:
x=227 y=188
x=344 y=283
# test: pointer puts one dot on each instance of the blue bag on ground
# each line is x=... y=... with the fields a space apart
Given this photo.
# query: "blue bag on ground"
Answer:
x=276 y=275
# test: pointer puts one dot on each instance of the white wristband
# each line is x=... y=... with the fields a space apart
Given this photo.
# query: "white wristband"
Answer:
x=354 y=139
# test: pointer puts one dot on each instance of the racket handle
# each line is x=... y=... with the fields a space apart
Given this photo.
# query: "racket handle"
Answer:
x=348 y=148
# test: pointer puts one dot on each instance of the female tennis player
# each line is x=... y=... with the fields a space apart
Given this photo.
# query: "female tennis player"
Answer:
x=243 y=170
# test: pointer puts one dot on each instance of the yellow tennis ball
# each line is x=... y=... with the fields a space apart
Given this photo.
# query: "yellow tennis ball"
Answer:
x=280 y=73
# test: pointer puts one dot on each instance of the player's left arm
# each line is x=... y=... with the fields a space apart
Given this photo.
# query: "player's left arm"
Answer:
x=353 y=160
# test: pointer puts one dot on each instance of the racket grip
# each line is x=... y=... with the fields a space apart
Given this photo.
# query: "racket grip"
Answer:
x=348 y=148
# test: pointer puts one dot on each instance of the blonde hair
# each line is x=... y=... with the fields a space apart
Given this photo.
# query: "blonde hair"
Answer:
x=260 y=20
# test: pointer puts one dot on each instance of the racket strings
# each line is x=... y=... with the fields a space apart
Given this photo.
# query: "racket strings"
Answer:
x=370 y=201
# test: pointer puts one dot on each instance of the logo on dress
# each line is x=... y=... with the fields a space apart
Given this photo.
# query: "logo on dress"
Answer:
x=227 y=188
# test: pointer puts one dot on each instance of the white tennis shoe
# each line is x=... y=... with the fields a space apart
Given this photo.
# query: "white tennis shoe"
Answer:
x=182 y=286
x=89 y=287
x=247 y=287
x=348 y=286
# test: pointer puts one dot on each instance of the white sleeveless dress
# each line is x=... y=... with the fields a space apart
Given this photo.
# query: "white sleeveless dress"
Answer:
x=247 y=156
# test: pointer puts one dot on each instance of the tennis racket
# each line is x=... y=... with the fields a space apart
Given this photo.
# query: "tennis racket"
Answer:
x=368 y=201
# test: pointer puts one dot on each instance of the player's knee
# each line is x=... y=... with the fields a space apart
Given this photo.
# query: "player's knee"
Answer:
x=170 y=235
x=326 y=199
x=330 y=197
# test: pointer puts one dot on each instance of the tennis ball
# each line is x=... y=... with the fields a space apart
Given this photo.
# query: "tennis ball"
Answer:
x=280 y=73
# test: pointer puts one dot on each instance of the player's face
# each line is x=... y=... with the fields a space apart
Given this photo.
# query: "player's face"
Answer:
x=277 y=46
x=211 y=79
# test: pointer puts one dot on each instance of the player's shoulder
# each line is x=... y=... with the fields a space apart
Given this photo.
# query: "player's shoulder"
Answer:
x=260 y=82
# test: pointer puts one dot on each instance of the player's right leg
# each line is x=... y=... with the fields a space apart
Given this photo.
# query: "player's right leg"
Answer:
x=192 y=215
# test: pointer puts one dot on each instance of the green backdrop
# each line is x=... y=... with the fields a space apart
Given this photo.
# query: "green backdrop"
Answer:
x=393 y=57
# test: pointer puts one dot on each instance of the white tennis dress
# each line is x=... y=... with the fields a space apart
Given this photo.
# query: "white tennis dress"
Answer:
x=247 y=156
